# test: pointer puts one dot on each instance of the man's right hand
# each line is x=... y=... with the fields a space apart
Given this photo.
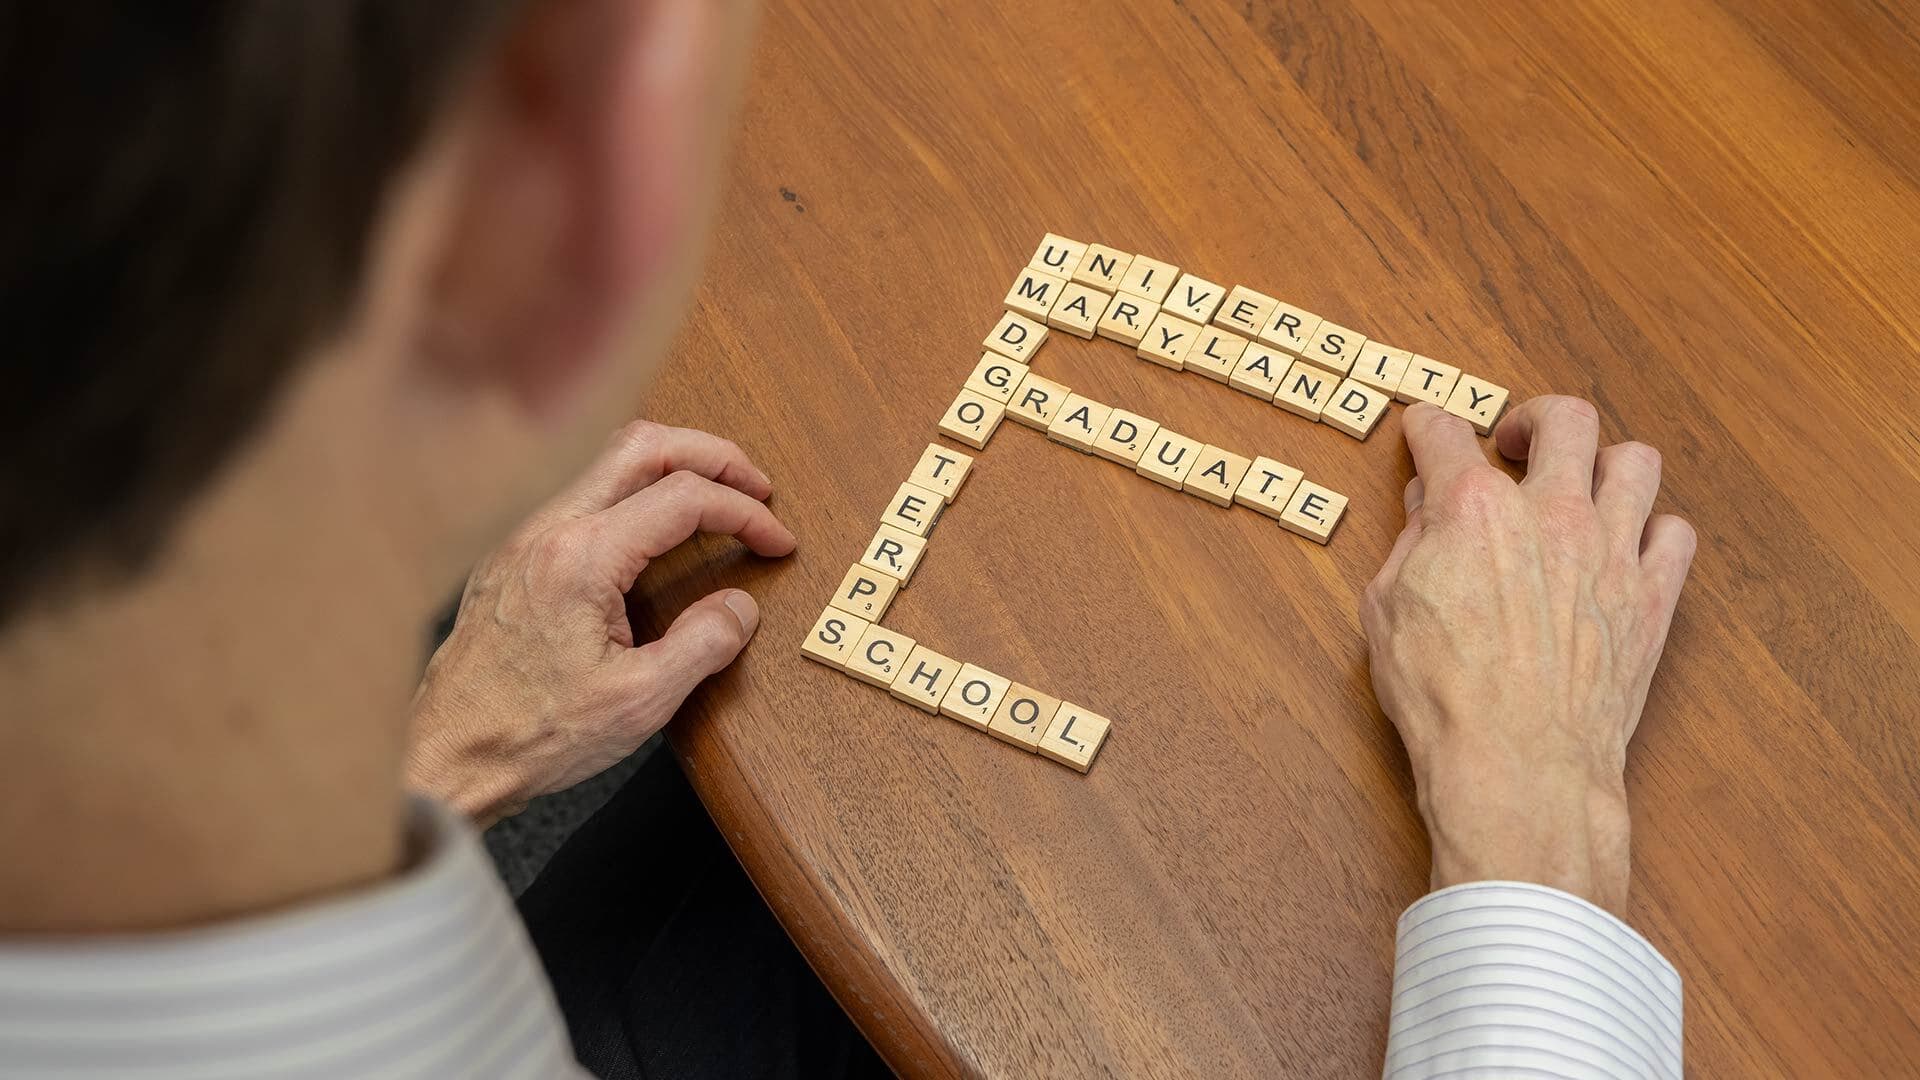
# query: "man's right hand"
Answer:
x=1514 y=631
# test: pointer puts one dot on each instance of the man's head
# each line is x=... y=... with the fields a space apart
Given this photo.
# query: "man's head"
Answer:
x=401 y=261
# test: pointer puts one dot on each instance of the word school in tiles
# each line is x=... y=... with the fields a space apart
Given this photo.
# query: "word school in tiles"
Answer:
x=1306 y=365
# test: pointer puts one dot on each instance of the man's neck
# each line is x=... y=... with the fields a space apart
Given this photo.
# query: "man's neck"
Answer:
x=223 y=736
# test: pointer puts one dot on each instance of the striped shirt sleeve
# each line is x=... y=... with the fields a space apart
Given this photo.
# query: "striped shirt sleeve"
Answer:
x=1507 y=978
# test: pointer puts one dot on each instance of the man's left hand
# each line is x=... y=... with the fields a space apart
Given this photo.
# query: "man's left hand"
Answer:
x=541 y=684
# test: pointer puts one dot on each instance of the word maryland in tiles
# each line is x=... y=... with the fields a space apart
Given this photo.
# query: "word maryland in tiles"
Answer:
x=1309 y=366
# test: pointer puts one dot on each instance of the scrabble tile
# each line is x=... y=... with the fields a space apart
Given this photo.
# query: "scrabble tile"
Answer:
x=1216 y=474
x=894 y=552
x=1194 y=299
x=1023 y=717
x=833 y=637
x=1127 y=318
x=1381 y=366
x=996 y=377
x=1289 y=328
x=1167 y=341
x=1016 y=337
x=924 y=677
x=1267 y=486
x=1074 y=736
x=1057 y=255
x=878 y=656
x=866 y=593
x=1356 y=408
x=1305 y=389
x=1102 y=267
x=1079 y=422
x=1150 y=278
x=1037 y=402
x=972 y=419
x=1478 y=402
x=1169 y=458
x=1035 y=292
x=941 y=470
x=1312 y=511
x=1259 y=370
x=1427 y=380
x=975 y=696
x=1215 y=353
x=913 y=509
x=1245 y=312
x=1333 y=347
x=1124 y=437
x=1078 y=310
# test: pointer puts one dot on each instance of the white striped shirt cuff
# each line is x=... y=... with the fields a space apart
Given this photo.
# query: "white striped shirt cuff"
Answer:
x=1511 y=979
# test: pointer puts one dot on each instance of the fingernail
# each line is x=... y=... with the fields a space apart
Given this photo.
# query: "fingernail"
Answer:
x=744 y=609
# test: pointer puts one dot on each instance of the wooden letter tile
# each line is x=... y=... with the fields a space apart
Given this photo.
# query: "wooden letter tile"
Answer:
x=878 y=656
x=1079 y=422
x=1169 y=458
x=1478 y=402
x=1102 y=268
x=1150 y=278
x=1058 y=256
x=1124 y=437
x=1289 y=328
x=913 y=509
x=1427 y=380
x=995 y=377
x=866 y=593
x=1381 y=366
x=972 y=419
x=1313 y=511
x=1035 y=292
x=1074 y=736
x=1333 y=347
x=1356 y=408
x=1268 y=486
x=942 y=470
x=1078 y=310
x=1023 y=717
x=1216 y=474
x=1245 y=312
x=1127 y=319
x=1016 y=337
x=1037 y=402
x=924 y=678
x=975 y=696
x=833 y=637
x=1305 y=389
x=1215 y=353
x=1259 y=370
x=894 y=552
x=1194 y=299
x=1167 y=341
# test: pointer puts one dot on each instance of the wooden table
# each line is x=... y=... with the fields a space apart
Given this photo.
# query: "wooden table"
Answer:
x=1700 y=214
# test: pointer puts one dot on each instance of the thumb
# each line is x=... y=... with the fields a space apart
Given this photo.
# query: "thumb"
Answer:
x=702 y=640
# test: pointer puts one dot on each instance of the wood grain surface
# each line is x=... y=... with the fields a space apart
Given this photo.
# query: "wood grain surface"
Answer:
x=1701 y=214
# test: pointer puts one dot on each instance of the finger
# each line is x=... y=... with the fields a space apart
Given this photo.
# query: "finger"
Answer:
x=1414 y=495
x=1626 y=478
x=653 y=521
x=642 y=452
x=1557 y=436
x=702 y=640
x=1443 y=445
x=1666 y=554
x=1402 y=545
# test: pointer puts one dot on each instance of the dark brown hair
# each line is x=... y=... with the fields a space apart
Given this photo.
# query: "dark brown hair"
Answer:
x=185 y=207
